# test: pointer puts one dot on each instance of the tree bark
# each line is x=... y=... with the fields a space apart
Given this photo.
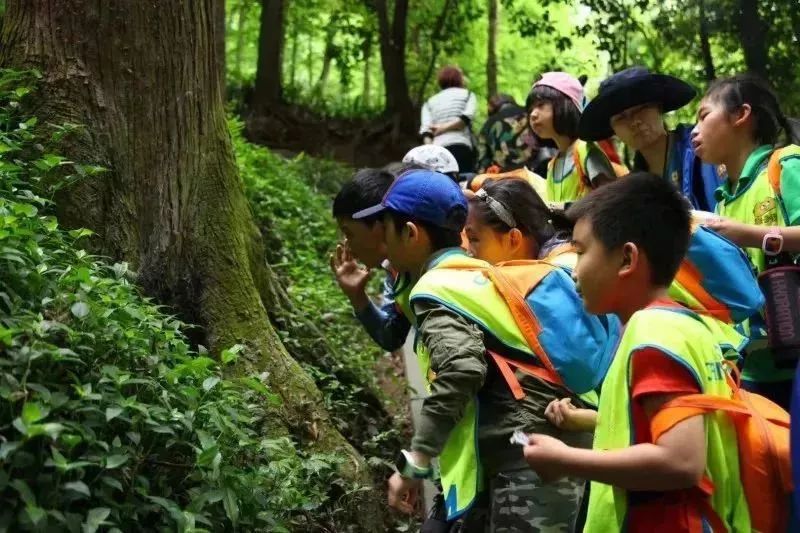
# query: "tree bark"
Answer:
x=392 y=37
x=753 y=36
x=437 y=31
x=241 y=17
x=220 y=22
x=327 y=59
x=491 y=62
x=365 y=87
x=268 y=88
x=144 y=81
x=705 y=46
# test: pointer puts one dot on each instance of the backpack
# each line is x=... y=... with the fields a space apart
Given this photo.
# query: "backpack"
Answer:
x=544 y=302
x=762 y=431
x=716 y=278
x=536 y=181
x=619 y=169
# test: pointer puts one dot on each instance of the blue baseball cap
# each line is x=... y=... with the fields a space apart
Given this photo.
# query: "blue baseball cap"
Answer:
x=424 y=195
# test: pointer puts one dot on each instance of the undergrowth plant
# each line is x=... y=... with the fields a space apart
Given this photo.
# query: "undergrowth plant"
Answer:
x=108 y=420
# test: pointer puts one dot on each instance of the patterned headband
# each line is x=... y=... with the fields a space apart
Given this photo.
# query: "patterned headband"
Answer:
x=497 y=208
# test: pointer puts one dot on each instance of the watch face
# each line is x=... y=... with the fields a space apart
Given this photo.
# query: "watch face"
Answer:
x=400 y=462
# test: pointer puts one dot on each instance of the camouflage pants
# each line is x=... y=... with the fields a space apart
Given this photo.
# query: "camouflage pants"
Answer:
x=519 y=502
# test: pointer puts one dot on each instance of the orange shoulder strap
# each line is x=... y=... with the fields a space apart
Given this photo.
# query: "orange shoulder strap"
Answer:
x=774 y=171
x=691 y=279
x=576 y=158
x=511 y=291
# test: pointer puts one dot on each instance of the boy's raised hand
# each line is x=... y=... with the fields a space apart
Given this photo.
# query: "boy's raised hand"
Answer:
x=351 y=277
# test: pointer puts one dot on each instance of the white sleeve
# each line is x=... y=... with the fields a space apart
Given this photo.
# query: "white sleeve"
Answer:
x=425 y=121
x=471 y=107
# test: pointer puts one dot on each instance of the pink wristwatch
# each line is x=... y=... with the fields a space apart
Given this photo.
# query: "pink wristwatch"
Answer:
x=773 y=241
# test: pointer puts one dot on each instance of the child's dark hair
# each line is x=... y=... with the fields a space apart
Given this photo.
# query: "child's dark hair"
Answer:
x=768 y=119
x=534 y=219
x=440 y=237
x=643 y=209
x=367 y=188
x=566 y=115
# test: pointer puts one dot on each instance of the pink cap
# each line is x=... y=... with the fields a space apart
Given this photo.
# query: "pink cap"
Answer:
x=565 y=84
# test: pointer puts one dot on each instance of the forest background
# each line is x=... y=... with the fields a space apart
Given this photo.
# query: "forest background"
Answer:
x=174 y=354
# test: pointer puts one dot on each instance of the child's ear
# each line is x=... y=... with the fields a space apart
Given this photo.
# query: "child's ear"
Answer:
x=412 y=230
x=630 y=259
x=742 y=115
x=515 y=238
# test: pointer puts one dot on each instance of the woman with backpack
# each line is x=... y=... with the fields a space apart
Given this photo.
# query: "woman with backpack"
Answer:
x=740 y=125
x=447 y=118
x=631 y=104
x=554 y=105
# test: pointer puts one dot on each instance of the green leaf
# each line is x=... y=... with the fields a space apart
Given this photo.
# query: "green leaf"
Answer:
x=79 y=487
x=113 y=412
x=209 y=383
x=231 y=354
x=24 y=492
x=207 y=456
x=120 y=269
x=80 y=309
x=115 y=461
x=95 y=519
x=32 y=412
x=35 y=514
x=231 y=504
x=8 y=448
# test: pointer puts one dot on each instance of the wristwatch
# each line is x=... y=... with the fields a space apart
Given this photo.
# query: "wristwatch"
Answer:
x=405 y=467
x=773 y=241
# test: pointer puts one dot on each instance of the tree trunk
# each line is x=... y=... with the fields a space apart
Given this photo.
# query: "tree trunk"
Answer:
x=293 y=60
x=220 y=22
x=365 y=88
x=244 y=9
x=143 y=79
x=491 y=62
x=327 y=59
x=705 y=46
x=437 y=30
x=392 y=38
x=753 y=35
x=270 y=54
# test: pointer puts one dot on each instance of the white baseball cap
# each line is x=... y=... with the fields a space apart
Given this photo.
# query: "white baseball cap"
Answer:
x=434 y=157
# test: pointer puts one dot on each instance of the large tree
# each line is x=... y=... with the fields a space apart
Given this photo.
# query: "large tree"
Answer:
x=143 y=80
x=392 y=40
x=269 y=88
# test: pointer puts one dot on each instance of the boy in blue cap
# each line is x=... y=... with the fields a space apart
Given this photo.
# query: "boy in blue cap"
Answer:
x=423 y=215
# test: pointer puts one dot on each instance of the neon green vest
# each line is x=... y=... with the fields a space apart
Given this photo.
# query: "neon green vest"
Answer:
x=473 y=296
x=686 y=339
x=568 y=188
x=758 y=204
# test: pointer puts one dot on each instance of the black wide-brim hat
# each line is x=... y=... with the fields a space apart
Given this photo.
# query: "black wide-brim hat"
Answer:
x=629 y=88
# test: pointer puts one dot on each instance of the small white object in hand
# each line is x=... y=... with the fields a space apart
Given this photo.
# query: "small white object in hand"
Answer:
x=519 y=437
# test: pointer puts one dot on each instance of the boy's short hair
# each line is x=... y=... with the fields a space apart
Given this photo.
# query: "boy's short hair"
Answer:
x=646 y=210
x=440 y=237
x=367 y=188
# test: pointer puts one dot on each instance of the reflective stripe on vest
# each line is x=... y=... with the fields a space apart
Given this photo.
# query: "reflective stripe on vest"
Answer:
x=682 y=336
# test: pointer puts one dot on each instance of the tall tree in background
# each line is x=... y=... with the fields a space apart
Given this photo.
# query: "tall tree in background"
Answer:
x=392 y=37
x=753 y=36
x=268 y=88
x=491 y=61
x=143 y=80
x=705 y=46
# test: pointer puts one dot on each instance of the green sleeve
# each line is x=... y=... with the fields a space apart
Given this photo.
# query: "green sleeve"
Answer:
x=790 y=188
x=457 y=357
